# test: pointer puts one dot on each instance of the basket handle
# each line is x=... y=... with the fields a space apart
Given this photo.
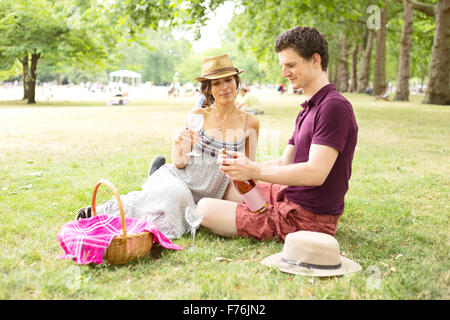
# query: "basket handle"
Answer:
x=119 y=202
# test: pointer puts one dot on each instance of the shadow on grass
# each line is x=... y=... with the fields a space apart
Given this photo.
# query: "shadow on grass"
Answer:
x=155 y=254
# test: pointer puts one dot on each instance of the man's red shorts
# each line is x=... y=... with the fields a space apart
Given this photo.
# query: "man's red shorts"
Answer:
x=281 y=217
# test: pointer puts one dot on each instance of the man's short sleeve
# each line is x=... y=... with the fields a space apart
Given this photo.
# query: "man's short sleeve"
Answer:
x=333 y=125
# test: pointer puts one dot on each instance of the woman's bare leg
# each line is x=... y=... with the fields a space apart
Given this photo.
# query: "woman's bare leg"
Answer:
x=219 y=216
x=231 y=193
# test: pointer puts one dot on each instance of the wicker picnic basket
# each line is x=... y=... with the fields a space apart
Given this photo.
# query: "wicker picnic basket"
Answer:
x=125 y=247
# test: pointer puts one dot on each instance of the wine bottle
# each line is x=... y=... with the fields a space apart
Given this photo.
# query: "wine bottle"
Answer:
x=252 y=196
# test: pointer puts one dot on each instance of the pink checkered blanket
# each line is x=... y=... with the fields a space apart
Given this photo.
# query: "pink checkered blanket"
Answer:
x=85 y=241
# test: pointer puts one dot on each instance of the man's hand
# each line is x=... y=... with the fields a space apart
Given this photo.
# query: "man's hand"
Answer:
x=237 y=166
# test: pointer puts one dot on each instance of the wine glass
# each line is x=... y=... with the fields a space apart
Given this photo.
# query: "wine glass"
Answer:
x=193 y=217
x=195 y=122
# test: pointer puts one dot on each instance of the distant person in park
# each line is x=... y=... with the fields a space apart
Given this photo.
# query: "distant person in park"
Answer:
x=385 y=94
x=174 y=89
x=248 y=102
x=305 y=188
x=119 y=99
x=200 y=101
x=172 y=187
x=281 y=88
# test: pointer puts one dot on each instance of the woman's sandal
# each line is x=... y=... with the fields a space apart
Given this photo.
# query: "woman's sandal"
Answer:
x=84 y=213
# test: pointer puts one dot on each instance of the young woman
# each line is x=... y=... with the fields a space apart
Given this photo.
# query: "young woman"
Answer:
x=169 y=190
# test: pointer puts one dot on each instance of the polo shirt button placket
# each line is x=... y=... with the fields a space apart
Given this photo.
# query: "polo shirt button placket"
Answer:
x=303 y=115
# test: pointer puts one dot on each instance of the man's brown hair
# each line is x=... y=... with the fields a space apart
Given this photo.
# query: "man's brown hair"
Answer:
x=305 y=41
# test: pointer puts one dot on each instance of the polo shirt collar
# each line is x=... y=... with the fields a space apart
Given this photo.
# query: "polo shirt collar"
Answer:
x=318 y=96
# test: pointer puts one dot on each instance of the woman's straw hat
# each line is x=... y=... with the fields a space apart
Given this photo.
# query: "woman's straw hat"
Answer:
x=217 y=67
x=313 y=254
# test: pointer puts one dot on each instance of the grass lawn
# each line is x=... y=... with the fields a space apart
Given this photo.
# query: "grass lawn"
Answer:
x=395 y=224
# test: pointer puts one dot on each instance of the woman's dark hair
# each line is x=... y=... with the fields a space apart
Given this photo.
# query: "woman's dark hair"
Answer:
x=305 y=41
x=205 y=88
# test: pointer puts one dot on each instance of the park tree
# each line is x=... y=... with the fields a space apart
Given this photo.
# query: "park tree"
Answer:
x=54 y=30
x=18 y=41
x=363 y=73
x=379 y=76
x=438 y=89
x=388 y=11
x=439 y=78
x=403 y=74
x=83 y=32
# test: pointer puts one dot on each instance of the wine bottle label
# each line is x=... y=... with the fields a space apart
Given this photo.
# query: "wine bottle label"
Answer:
x=254 y=199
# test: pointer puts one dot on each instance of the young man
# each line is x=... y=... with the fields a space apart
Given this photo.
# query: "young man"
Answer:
x=306 y=186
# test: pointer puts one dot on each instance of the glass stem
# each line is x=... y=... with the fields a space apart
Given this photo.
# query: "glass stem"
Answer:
x=193 y=236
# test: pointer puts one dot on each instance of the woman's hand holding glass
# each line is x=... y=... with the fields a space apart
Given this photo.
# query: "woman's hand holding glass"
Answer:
x=195 y=123
x=185 y=139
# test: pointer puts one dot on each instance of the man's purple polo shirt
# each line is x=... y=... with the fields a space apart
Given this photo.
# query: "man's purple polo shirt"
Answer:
x=326 y=119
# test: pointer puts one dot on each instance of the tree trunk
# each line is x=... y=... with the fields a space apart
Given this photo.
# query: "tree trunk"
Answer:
x=438 y=89
x=32 y=78
x=379 y=77
x=25 y=75
x=364 y=64
x=343 y=64
x=422 y=79
x=336 y=75
x=354 y=74
x=330 y=72
x=402 y=85
x=58 y=79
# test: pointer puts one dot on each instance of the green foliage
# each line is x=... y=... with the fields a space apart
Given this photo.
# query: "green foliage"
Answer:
x=30 y=27
x=422 y=40
x=137 y=15
x=256 y=25
x=155 y=55
x=84 y=39
x=13 y=71
x=260 y=22
x=6 y=61
x=254 y=72
x=63 y=33
x=86 y=35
